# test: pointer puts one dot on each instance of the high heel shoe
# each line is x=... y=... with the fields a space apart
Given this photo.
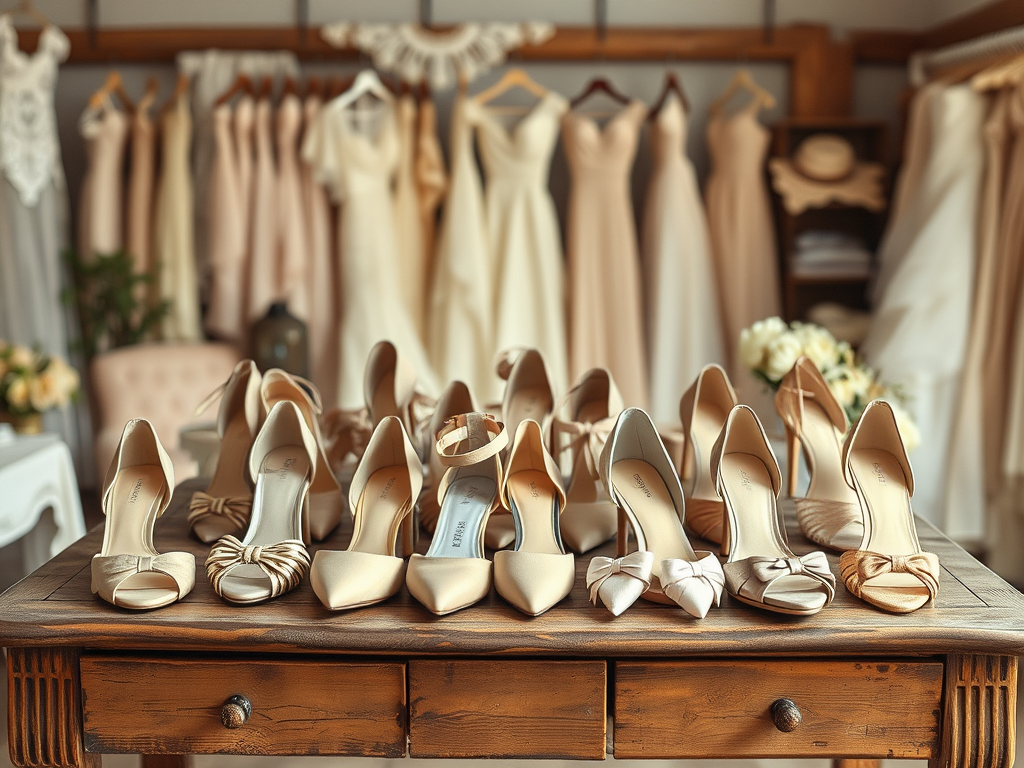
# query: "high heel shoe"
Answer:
x=454 y=573
x=389 y=386
x=271 y=559
x=128 y=571
x=589 y=518
x=225 y=505
x=324 y=497
x=538 y=572
x=383 y=493
x=761 y=569
x=829 y=514
x=644 y=485
x=888 y=569
x=455 y=400
x=703 y=410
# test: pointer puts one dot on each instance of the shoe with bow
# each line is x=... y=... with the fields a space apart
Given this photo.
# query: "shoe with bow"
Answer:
x=538 y=572
x=271 y=559
x=642 y=481
x=703 y=410
x=383 y=493
x=888 y=569
x=589 y=518
x=761 y=569
x=619 y=583
x=454 y=401
x=224 y=506
x=829 y=513
x=128 y=571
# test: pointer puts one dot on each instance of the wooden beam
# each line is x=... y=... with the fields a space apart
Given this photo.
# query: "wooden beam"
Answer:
x=872 y=46
x=989 y=18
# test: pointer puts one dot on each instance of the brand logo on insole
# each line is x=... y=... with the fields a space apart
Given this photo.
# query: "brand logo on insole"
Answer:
x=533 y=490
x=642 y=485
x=879 y=473
x=745 y=479
x=460 y=531
x=135 y=492
x=468 y=496
x=384 y=493
x=282 y=473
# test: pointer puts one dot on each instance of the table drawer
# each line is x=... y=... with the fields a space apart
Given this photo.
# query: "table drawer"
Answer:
x=714 y=709
x=539 y=709
x=298 y=707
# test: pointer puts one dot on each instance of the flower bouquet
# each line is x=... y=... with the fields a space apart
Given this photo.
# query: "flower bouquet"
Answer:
x=770 y=348
x=32 y=383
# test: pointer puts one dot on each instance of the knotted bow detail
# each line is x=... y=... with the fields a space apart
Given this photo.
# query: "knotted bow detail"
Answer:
x=586 y=437
x=693 y=585
x=234 y=509
x=345 y=431
x=284 y=563
x=109 y=572
x=621 y=581
x=857 y=567
x=814 y=564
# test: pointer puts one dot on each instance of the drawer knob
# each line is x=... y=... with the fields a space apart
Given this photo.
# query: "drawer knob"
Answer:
x=235 y=711
x=786 y=715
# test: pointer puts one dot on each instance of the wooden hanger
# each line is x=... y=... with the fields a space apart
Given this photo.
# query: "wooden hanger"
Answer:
x=366 y=82
x=743 y=81
x=514 y=78
x=152 y=88
x=242 y=84
x=27 y=8
x=671 y=86
x=600 y=85
x=1003 y=74
x=113 y=85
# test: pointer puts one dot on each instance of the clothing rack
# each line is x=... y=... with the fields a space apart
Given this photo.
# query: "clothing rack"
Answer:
x=1008 y=41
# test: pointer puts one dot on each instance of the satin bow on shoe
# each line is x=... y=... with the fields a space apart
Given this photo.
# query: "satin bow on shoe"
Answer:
x=620 y=582
x=693 y=586
x=813 y=564
x=234 y=509
x=284 y=563
x=110 y=571
x=857 y=567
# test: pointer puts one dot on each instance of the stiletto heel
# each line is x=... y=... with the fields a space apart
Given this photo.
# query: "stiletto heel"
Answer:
x=622 y=534
x=792 y=461
x=409 y=531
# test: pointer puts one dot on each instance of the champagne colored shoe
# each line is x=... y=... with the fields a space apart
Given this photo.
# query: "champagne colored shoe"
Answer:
x=271 y=559
x=644 y=485
x=224 y=506
x=383 y=493
x=128 y=571
x=324 y=497
x=389 y=386
x=829 y=514
x=888 y=569
x=538 y=572
x=454 y=401
x=703 y=410
x=761 y=569
x=454 y=573
x=589 y=518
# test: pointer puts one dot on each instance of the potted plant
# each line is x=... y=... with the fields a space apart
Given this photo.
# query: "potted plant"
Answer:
x=32 y=383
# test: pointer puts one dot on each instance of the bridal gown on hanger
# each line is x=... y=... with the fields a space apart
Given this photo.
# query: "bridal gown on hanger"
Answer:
x=605 y=315
x=684 y=332
x=431 y=182
x=359 y=168
x=263 y=273
x=138 y=238
x=100 y=222
x=408 y=224
x=918 y=333
x=529 y=299
x=292 y=236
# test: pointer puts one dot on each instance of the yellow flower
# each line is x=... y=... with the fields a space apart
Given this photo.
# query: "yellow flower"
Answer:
x=18 y=393
x=44 y=391
x=22 y=357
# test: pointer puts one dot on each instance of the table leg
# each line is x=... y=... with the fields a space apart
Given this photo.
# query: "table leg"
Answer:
x=980 y=712
x=167 y=761
x=44 y=717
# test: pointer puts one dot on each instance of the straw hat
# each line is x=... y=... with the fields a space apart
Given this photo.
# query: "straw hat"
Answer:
x=824 y=169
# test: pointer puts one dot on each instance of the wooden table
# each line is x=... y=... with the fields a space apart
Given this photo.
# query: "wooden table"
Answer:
x=86 y=678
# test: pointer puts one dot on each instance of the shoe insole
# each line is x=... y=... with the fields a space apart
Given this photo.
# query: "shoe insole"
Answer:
x=528 y=403
x=880 y=482
x=651 y=510
x=824 y=460
x=584 y=489
x=467 y=502
x=276 y=516
x=705 y=427
x=754 y=529
x=382 y=506
x=135 y=496
x=534 y=500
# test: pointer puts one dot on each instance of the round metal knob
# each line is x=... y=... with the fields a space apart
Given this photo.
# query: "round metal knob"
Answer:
x=235 y=711
x=786 y=715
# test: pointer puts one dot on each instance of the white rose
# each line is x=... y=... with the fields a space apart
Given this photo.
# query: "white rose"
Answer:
x=18 y=393
x=783 y=352
x=754 y=341
x=819 y=345
x=44 y=391
x=22 y=357
x=842 y=389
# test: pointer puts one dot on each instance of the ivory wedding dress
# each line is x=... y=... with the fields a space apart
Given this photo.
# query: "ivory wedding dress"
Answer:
x=100 y=223
x=138 y=237
x=292 y=236
x=264 y=280
x=408 y=224
x=683 y=328
x=918 y=333
x=359 y=168
x=605 y=316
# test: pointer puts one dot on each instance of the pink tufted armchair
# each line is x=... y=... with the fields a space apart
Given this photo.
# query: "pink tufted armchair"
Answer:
x=162 y=382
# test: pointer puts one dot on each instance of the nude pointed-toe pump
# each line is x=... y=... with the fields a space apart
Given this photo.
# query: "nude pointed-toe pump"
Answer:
x=644 y=485
x=589 y=518
x=703 y=411
x=128 y=571
x=454 y=573
x=224 y=506
x=389 y=386
x=454 y=401
x=271 y=559
x=324 y=497
x=888 y=568
x=537 y=572
x=383 y=493
x=829 y=513
x=761 y=570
